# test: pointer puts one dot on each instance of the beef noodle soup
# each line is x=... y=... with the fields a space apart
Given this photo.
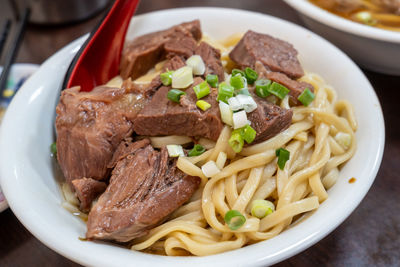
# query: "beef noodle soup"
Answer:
x=201 y=146
x=383 y=14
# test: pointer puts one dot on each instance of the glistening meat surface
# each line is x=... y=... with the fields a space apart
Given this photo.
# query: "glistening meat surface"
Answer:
x=145 y=187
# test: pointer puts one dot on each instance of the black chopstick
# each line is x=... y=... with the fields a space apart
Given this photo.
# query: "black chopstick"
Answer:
x=4 y=34
x=10 y=57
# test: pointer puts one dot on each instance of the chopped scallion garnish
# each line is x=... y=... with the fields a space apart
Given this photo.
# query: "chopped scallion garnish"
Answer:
x=53 y=148
x=306 y=97
x=236 y=141
x=225 y=91
x=278 y=90
x=197 y=64
x=196 y=150
x=243 y=91
x=203 y=105
x=226 y=113
x=202 y=89
x=210 y=169
x=251 y=75
x=234 y=219
x=238 y=81
x=182 y=77
x=261 y=208
x=212 y=80
x=283 y=156
x=175 y=95
x=247 y=102
x=237 y=71
x=262 y=87
x=166 y=78
x=239 y=119
x=366 y=18
x=175 y=151
x=248 y=134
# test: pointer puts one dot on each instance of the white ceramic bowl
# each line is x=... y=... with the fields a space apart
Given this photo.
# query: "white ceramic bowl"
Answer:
x=34 y=195
x=372 y=48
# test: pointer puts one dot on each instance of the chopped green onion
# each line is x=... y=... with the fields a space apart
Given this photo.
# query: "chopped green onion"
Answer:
x=283 y=156
x=366 y=18
x=238 y=81
x=237 y=71
x=197 y=64
x=225 y=91
x=175 y=95
x=234 y=219
x=344 y=139
x=226 y=113
x=261 y=208
x=175 y=151
x=202 y=89
x=182 y=78
x=236 y=141
x=251 y=75
x=278 y=90
x=196 y=150
x=247 y=102
x=212 y=80
x=166 y=78
x=248 y=133
x=53 y=148
x=243 y=91
x=203 y=105
x=262 y=87
x=210 y=169
x=306 y=97
x=239 y=119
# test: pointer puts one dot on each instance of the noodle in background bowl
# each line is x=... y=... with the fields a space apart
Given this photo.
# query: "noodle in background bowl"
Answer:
x=34 y=194
x=373 y=48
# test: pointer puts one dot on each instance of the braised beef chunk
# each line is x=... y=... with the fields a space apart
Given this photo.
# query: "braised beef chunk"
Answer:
x=212 y=60
x=268 y=120
x=274 y=54
x=145 y=187
x=148 y=90
x=90 y=126
x=87 y=190
x=144 y=52
x=161 y=116
x=295 y=87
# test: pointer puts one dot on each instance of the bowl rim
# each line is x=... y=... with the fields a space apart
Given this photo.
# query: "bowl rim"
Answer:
x=79 y=256
x=334 y=21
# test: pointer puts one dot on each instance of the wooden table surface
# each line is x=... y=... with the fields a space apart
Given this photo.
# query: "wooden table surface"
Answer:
x=369 y=237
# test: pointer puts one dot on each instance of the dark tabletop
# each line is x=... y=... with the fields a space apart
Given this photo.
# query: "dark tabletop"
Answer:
x=369 y=237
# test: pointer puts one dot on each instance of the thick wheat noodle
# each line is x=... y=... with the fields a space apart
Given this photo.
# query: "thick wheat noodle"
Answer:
x=198 y=227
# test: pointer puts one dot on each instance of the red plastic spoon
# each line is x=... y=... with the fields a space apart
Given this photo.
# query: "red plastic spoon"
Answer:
x=98 y=59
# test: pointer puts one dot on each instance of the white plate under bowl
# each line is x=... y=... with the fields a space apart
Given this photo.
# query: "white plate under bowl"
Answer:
x=34 y=195
x=19 y=72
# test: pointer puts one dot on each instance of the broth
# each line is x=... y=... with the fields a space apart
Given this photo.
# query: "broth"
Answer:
x=368 y=12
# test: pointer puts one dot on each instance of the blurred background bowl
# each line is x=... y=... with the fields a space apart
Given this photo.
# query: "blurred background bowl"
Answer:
x=372 y=48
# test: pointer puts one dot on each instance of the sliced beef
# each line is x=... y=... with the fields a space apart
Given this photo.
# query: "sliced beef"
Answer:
x=144 y=52
x=90 y=126
x=212 y=60
x=145 y=187
x=180 y=45
x=148 y=90
x=274 y=54
x=87 y=189
x=268 y=120
x=164 y=117
x=295 y=87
